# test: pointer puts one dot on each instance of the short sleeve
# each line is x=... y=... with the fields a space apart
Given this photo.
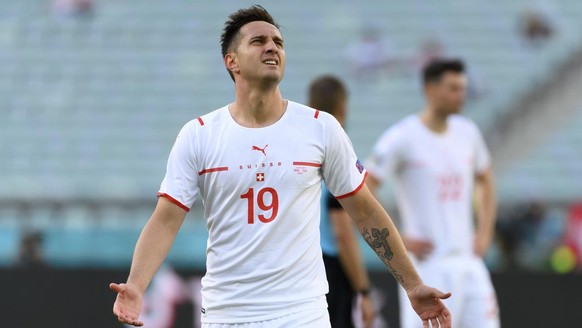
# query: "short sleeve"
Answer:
x=343 y=173
x=180 y=184
x=386 y=155
x=482 y=156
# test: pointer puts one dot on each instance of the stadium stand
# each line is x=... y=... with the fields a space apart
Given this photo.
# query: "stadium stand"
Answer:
x=551 y=171
x=93 y=103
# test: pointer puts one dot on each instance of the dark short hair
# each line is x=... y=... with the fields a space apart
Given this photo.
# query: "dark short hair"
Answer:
x=236 y=20
x=326 y=93
x=436 y=68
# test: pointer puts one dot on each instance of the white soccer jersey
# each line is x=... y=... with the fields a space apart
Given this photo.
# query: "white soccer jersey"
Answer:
x=433 y=179
x=261 y=190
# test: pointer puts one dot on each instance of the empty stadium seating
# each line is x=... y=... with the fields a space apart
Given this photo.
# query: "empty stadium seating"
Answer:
x=90 y=105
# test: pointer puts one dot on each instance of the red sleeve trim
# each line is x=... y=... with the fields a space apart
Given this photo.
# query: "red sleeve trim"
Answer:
x=200 y=121
x=316 y=114
x=355 y=190
x=214 y=169
x=307 y=164
x=174 y=200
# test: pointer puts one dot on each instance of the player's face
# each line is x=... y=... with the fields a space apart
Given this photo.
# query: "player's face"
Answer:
x=448 y=94
x=260 y=55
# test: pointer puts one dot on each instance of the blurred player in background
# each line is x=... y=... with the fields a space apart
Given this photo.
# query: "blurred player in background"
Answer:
x=258 y=166
x=165 y=292
x=344 y=266
x=439 y=162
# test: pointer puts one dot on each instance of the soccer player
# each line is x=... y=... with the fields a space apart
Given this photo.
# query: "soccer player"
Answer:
x=344 y=267
x=258 y=165
x=437 y=160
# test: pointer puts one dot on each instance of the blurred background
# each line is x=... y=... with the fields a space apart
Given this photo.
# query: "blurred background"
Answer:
x=93 y=93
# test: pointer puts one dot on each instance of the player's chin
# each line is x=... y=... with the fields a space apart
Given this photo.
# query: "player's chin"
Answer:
x=273 y=77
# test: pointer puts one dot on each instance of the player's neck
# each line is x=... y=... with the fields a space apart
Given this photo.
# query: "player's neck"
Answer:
x=434 y=121
x=257 y=108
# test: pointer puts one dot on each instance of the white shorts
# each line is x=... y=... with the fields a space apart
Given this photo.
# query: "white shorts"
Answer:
x=474 y=302
x=317 y=318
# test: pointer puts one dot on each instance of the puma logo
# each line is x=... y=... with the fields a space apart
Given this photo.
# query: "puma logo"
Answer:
x=262 y=150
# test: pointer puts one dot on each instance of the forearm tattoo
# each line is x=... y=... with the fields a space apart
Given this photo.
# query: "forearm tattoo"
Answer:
x=378 y=240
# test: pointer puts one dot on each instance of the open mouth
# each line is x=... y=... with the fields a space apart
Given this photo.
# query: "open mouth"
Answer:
x=270 y=62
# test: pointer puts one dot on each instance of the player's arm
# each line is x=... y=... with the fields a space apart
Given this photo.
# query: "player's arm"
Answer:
x=486 y=211
x=373 y=184
x=151 y=249
x=420 y=248
x=380 y=233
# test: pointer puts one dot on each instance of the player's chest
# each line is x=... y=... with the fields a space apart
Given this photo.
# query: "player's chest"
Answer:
x=439 y=156
x=233 y=163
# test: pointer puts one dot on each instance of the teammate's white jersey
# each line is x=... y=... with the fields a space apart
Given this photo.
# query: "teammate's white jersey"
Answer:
x=433 y=177
x=261 y=190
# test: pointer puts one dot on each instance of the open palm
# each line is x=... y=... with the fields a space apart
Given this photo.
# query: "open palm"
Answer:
x=127 y=305
x=428 y=304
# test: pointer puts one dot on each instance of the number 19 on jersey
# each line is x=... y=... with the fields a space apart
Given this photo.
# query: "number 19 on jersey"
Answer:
x=262 y=201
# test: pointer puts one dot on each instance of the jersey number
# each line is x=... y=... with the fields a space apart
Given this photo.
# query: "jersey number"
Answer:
x=450 y=187
x=263 y=196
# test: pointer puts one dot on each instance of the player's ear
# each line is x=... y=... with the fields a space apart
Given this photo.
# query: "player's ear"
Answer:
x=231 y=62
x=428 y=88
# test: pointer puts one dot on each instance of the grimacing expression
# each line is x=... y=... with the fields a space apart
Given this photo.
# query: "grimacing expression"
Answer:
x=259 y=54
x=448 y=94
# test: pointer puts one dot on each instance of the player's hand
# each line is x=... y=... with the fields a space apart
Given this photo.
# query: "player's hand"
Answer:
x=426 y=301
x=420 y=248
x=368 y=310
x=481 y=245
x=127 y=305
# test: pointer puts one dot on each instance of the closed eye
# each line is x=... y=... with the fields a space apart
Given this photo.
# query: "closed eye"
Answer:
x=278 y=41
x=258 y=40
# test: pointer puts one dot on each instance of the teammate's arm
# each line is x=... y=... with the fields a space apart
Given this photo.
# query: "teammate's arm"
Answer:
x=379 y=231
x=351 y=260
x=348 y=248
x=486 y=210
x=151 y=249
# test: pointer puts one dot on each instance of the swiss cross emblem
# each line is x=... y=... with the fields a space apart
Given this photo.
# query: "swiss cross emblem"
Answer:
x=260 y=177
